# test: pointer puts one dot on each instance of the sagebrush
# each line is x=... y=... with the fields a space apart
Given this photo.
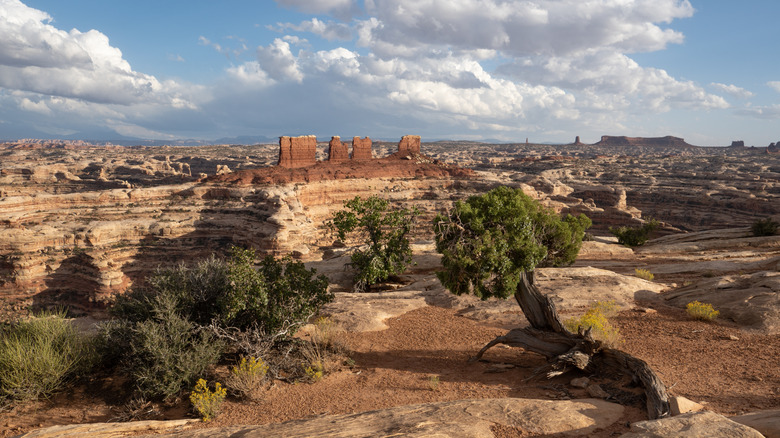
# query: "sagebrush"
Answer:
x=39 y=356
x=701 y=311
x=635 y=236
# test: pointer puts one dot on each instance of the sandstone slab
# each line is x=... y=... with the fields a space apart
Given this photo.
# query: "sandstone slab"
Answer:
x=766 y=422
x=109 y=430
x=696 y=424
x=463 y=418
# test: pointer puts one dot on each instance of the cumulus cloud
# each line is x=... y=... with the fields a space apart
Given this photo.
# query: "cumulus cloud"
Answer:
x=775 y=85
x=552 y=28
x=278 y=61
x=330 y=30
x=37 y=57
x=733 y=90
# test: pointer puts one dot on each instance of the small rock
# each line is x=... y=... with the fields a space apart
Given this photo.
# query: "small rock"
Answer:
x=733 y=338
x=580 y=382
x=597 y=391
x=681 y=405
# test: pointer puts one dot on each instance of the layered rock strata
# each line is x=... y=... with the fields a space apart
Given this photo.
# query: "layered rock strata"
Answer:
x=297 y=151
x=361 y=148
x=337 y=151
x=409 y=144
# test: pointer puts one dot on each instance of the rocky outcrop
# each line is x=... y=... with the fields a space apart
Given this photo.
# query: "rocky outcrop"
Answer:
x=409 y=145
x=577 y=141
x=693 y=425
x=297 y=151
x=773 y=148
x=737 y=144
x=337 y=151
x=361 y=148
x=455 y=419
x=668 y=141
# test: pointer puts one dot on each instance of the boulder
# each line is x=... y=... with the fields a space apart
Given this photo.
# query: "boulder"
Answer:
x=695 y=424
x=766 y=422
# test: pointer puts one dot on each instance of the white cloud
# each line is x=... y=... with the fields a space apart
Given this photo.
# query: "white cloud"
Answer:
x=775 y=85
x=37 y=57
x=770 y=112
x=330 y=30
x=552 y=28
x=320 y=6
x=278 y=61
x=733 y=90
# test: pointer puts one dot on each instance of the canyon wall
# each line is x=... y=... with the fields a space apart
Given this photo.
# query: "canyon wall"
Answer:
x=297 y=151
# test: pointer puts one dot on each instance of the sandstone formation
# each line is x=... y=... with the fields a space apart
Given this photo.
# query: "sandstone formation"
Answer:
x=110 y=430
x=455 y=419
x=337 y=151
x=361 y=148
x=737 y=144
x=766 y=422
x=773 y=148
x=409 y=145
x=693 y=425
x=668 y=141
x=297 y=151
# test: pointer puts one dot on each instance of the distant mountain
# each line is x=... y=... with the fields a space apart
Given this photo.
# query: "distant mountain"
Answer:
x=246 y=139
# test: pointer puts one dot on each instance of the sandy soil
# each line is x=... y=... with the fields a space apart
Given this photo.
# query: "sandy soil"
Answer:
x=400 y=366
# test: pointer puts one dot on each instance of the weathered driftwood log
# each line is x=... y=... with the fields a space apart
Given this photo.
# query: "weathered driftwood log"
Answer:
x=566 y=351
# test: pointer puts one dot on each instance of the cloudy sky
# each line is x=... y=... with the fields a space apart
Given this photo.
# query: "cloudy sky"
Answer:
x=547 y=70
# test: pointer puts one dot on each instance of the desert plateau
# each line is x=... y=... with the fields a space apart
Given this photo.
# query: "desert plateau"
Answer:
x=81 y=224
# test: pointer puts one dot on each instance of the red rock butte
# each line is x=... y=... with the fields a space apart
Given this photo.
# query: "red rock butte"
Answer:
x=298 y=163
x=668 y=141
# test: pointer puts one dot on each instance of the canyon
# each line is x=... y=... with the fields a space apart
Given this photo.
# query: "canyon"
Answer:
x=81 y=224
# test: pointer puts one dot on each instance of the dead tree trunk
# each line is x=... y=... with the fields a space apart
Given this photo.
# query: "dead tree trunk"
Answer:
x=566 y=351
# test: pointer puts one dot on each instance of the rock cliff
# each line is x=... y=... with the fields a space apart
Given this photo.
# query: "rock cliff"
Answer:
x=337 y=151
x=297 y=151
x=409 y=145
x=361 y=148
x=667 y=141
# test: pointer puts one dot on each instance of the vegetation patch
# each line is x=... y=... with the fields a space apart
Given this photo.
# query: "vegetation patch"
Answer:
x=702 y=311
x=765 y=227
x=634 y=236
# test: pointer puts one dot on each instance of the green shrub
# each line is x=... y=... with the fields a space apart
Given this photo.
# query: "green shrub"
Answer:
x=701 y=311
x=644 y=274
x=596 y=318
x=172 y=331
x=40 y=355
x=764 y=227
x=634 y=236
x=205 y=402
x=383 y=230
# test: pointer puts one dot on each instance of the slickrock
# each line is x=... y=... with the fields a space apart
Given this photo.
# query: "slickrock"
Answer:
x=337 y=151
x=109 y=430
x=456 y=419
x=693 y=425
x=766 y=422
x=361 y=148
x=752 y=301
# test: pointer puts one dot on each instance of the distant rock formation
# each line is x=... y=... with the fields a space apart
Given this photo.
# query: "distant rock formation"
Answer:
x=668 y=141
x=297 y=151
x=337 y=151
x=773 y=148
x=738 y=144
x=361 y=148
x=409 y=144
x=577 y=141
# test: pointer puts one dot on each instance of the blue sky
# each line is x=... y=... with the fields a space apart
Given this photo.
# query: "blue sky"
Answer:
x=547 y=70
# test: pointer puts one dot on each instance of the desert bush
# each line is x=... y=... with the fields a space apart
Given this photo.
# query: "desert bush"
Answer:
x=701 y=311
x=634 y=236
x=247 y=377
x=596 y=318
x=644 y=274
x=764 y=227
x=205 y=402
x=38 y=356
x=173 y=330
x=383 y=230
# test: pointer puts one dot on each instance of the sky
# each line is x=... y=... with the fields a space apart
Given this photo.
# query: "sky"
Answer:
x=506 y=70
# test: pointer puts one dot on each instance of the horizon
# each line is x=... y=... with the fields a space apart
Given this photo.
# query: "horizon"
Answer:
x=487 y=71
